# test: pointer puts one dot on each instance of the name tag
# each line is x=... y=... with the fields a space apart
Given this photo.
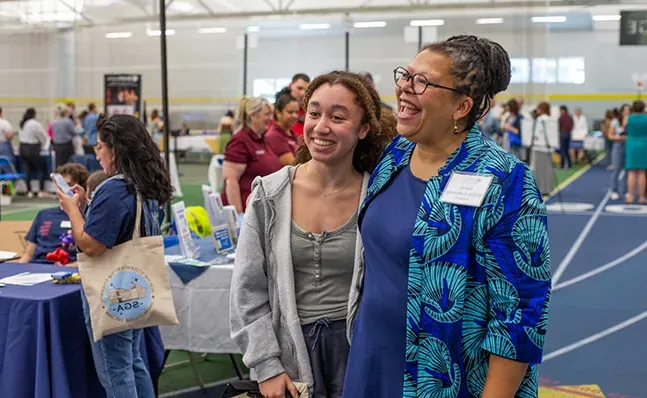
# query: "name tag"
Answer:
x=66 y=224
x=466 y=189
x=260 y=152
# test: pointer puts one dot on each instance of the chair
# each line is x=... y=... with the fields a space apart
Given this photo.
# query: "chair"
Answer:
x=8 y=170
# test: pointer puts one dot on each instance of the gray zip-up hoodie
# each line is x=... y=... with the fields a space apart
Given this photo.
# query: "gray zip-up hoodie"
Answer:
x=263 y=310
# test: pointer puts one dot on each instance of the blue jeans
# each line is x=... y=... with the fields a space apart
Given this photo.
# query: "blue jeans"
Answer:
x=618 y=185
x=119 y=364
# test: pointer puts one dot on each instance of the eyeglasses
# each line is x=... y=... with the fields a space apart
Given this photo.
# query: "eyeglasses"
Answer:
x=420 y=83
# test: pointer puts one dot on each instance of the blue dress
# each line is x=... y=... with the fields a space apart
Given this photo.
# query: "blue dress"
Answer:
x=377 y=351
x=478 y=278
x=636 y=147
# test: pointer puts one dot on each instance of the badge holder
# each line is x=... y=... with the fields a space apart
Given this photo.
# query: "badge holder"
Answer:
x=466 y=189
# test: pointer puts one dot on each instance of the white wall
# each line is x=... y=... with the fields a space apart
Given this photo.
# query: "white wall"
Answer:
x=28 y=74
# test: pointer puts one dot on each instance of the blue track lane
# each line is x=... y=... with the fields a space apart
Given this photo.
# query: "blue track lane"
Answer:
x=617 y=362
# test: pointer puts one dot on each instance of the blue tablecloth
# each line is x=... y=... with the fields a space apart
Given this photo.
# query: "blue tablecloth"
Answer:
x=44 y=346
x=207 y=254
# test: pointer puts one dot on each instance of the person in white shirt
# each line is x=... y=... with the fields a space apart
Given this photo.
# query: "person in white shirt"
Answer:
x=579 y=133
x=6 y=134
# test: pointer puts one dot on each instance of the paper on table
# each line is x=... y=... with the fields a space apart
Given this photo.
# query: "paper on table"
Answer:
x=26 y=279
x=7 y=255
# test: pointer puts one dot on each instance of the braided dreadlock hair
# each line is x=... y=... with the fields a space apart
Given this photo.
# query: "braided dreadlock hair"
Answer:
x=381 y=121
x=480 y=67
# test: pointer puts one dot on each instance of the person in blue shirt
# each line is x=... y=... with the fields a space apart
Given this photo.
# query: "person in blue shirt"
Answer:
x=49 y=225
x=131 y=159
x=90 y=129
x=457 y=281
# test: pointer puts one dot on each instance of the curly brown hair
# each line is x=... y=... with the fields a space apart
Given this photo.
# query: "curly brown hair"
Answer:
x=381 y=120
x=77 y=171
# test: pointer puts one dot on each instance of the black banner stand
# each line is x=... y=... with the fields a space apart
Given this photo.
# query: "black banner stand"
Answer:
x=167 y=157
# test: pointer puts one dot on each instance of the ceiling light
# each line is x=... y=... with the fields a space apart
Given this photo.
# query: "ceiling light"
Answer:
x=549 y=19
x=212 y=30
x=314 y=26
x=372 y=24
x=50 y=17
x=601 y=18
x=489 y=21
x=119 y=35
x=253 y=29
x=427 y=22
x=169 y=32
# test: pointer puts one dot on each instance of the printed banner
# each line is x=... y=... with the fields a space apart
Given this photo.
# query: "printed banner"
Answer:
x=123 y=93
x=633 y=28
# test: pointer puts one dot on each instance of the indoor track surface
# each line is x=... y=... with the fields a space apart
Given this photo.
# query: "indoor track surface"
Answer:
x=599 y=301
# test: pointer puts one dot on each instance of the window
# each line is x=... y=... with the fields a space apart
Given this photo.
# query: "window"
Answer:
x=571 y=70
x=267 y=88
x=544 y=70
x=520 y=70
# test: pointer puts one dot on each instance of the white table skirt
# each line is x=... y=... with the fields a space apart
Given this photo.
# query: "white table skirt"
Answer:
x=202 y=307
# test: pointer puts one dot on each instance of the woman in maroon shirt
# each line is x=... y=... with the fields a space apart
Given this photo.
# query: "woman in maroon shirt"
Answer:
x=280 y=138
x=247 y=155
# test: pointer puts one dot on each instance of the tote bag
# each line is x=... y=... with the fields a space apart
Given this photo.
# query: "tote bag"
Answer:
x=127 y=287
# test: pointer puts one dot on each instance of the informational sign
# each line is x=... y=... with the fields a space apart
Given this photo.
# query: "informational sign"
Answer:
x=122 y=94
x=633 y=28
x=188 y=248
x=542 y=133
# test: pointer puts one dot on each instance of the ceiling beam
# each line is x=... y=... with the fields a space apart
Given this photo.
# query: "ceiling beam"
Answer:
x=539 y=5
x=79 y=13
x=271 y=5
x=287 y=6
x=207 y=8
x=139 y=5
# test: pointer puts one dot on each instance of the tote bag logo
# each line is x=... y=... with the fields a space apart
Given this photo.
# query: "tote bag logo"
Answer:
x=127 y=294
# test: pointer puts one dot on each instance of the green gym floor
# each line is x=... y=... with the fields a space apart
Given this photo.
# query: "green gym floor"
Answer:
x=212 y=368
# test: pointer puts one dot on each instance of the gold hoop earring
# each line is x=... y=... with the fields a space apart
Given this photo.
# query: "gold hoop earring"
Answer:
x=456 y=132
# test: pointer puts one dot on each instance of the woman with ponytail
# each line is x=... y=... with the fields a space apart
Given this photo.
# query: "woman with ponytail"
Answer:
x=299 y=252
x=247 y=155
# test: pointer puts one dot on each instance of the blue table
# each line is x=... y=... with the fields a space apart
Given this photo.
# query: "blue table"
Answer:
x=44 y=347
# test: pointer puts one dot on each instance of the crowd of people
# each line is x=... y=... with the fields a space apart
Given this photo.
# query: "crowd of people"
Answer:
x=66 y=135
x=626 y=132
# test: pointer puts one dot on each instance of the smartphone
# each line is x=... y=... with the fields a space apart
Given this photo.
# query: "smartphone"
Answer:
x=61 y=184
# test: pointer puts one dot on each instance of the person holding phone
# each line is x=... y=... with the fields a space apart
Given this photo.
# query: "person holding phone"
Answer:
x=50 y=224
x=128 y=155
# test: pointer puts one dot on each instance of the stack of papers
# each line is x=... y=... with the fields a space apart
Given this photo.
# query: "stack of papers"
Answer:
x=26 y=279
x=185 y=261
x=7 y=255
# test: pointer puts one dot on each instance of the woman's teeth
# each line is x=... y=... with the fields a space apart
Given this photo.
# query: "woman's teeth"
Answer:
x=323 y=142
x=408 y=109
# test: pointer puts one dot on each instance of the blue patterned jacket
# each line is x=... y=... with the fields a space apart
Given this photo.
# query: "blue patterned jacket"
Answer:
x=479 y=278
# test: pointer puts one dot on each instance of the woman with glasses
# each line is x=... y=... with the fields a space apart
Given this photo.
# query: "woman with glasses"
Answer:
x=456 y=287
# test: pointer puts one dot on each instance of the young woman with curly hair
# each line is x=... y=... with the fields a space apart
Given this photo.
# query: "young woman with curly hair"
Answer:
x=299 y=253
